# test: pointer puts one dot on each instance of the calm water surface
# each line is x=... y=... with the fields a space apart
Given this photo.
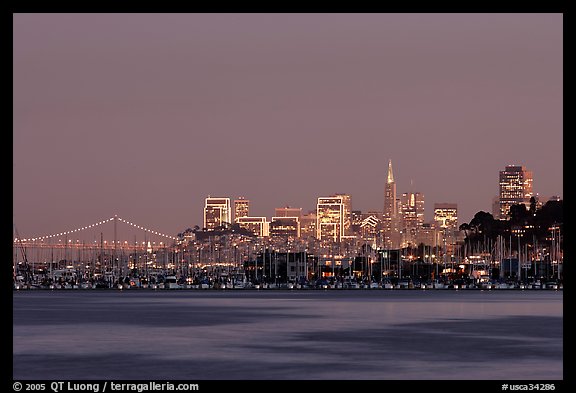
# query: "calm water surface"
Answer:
x=262 y=335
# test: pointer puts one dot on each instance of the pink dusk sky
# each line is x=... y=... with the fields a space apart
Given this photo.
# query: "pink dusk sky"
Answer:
x=145 y=115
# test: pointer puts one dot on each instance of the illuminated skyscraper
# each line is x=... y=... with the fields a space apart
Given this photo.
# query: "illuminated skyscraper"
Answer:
x=259 y=226
x=515 y=188
x=412 y=209
x=216 y=212
x=308 y=225
x=390 y=215
x=446 y=220
x=369 y=227
x=285 y=227
x=241 y=208
x=428 y=235
x=412 y=216
x=446 y=215
x=330 y=218
x=347 y=214
x=288 y=212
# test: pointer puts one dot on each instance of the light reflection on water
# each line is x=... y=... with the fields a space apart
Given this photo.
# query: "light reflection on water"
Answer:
x=260 y=335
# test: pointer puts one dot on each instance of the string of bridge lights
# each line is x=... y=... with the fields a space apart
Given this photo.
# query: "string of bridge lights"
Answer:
x=146 y=229
x=46 y=237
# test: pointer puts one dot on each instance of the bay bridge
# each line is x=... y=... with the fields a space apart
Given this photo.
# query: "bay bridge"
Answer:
x=70 y=238
x=154 y=255
x=100 y=256
x=100 y=252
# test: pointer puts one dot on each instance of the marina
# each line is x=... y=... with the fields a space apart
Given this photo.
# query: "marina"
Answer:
x=236 y=260
x=288 y=196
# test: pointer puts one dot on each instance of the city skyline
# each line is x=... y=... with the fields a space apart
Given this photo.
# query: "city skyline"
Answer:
x=280 y=109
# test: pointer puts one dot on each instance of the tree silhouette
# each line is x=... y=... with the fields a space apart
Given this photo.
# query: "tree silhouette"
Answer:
x=536 y=222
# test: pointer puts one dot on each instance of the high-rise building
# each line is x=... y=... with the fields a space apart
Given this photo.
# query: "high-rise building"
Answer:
x=356 y=221
x=330 y=218
x=288 y=212
x=308 y=225
x=412 y=209
x=217 y=212
x=347 y=213
x=428 y=235
x=241 y=208
x=285 y=227
x=446 y=215
x=446 y=220
x=356 y=217
x=515 y=188
x=369 y=227
x=496 y=207
x=259 y=226
x=390 y=214
x=411 y=216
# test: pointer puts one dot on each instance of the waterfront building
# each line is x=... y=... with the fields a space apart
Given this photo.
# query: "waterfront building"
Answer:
x=515 y=188
x=217 y=212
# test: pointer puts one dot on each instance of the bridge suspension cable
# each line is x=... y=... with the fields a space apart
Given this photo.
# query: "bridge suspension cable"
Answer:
x=45 y=237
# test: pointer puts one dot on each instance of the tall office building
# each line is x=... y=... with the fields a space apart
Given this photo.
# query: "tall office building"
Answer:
x=428 y=235
x=356 y=218
x=411 y=216
x=369 y=227
x=347 y=214
x=412 y=209
x=496 y=207
x=390 y=214
x=288 y=212
x=259 y=226
x=446 y=215
x=241 y=208
x=308 y=225
x=285 y=227
x=446 y=220
x=330 y=218
x=216 y=212
x=515 y=188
